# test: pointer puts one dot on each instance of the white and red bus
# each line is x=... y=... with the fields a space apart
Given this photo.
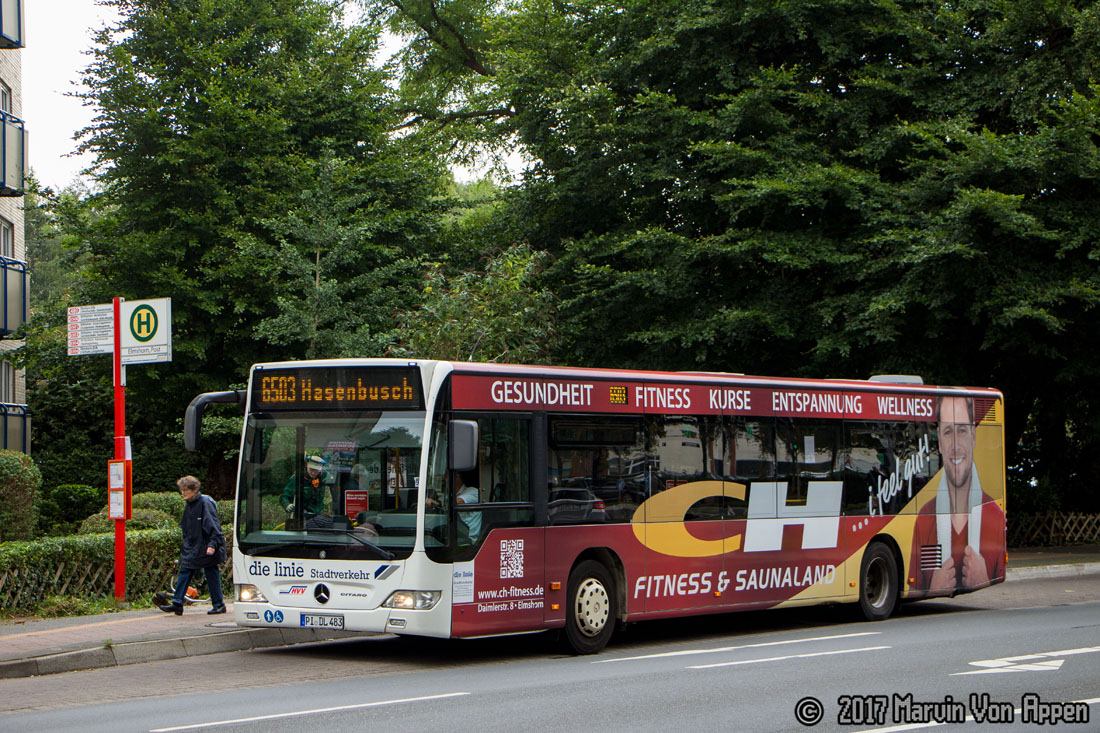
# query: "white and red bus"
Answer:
x=458 y=500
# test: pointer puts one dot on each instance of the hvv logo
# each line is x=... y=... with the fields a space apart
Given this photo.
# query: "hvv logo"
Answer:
x=294 y=590
x=768 y=515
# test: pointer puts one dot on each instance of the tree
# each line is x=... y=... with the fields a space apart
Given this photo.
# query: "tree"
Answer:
x=344 y=262
x=495 y=314
x=826 y=189
x=214 y=118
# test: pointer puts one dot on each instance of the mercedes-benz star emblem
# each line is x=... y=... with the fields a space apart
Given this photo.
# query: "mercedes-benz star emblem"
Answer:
x=321 y=593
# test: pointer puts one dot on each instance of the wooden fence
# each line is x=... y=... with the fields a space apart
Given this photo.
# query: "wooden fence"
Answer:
x=1052 y=528
x=90 y=572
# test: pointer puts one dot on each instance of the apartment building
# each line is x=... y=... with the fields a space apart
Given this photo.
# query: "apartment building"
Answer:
x=14 y=297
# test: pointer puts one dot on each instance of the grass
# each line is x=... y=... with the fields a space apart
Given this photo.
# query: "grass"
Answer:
x=64 y=606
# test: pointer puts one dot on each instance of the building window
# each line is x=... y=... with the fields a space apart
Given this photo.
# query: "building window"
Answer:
x=7 y=382
x=5 y=98
x=7 y=238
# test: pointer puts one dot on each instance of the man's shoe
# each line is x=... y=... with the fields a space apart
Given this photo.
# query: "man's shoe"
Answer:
x=171 y=608
x=216 y=610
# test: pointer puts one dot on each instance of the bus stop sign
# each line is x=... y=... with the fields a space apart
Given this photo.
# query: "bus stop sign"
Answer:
x=146 y=331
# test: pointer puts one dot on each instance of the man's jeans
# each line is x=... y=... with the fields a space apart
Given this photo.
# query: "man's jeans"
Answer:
x=213 y=582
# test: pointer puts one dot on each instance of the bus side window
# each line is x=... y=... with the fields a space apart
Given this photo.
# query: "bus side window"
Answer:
x=597 y=469
x=806 y=451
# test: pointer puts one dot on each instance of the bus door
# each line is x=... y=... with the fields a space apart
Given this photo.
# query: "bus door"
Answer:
x=498 y=584
x=596 y=478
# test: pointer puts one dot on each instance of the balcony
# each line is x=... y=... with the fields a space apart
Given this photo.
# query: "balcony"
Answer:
x=15 y=427
x=13 y=155
x=12 y=24
x=15 y=294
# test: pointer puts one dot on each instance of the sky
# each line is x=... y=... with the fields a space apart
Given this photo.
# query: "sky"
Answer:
x=58 y=32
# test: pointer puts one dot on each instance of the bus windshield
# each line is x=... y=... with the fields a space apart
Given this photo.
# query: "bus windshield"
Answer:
x=330 y=484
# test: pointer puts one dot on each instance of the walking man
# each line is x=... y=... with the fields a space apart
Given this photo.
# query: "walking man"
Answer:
x=203 y=547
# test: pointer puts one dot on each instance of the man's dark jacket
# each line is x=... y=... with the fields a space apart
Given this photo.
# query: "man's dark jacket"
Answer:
x=201 y=529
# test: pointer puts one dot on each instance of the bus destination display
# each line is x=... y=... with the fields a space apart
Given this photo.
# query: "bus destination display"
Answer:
x=370 y=388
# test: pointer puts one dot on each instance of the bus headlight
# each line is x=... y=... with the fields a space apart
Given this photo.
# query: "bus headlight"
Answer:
x=247 y=593
x=413 y=600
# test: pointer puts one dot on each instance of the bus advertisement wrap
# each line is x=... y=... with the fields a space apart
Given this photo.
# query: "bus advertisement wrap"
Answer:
x=781 y=554
x=455 y=499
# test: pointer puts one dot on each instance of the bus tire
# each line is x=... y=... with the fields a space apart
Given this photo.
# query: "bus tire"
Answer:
x=878 y=582
x=590 y=614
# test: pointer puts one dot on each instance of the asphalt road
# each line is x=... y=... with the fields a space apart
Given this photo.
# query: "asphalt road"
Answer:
x=1008 y=651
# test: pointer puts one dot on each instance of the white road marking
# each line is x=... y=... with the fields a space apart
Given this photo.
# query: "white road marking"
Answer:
x=734 y=648
x=298 y=713
x=789 y=656
x=1027 y=662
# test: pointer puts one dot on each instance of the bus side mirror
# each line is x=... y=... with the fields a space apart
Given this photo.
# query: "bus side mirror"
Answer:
x=462 y=445
x=192 y=417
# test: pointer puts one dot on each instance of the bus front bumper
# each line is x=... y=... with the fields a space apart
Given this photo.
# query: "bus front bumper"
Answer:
x=434 y=622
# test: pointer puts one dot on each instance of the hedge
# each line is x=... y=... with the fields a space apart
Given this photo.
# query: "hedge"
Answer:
x=20 y=480
x=152 y=510
x=84 y=566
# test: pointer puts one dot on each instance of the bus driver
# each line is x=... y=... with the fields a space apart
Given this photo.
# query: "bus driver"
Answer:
x=313 y=488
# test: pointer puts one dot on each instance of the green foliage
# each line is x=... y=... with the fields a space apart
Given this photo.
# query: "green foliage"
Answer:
x=225 y=511
x=141 y=519
x=169 y=503
x=19 y=483
x=826 y=189
x=83 y=565
x=152 y=510
x=244 y=168
x=62 y=508
x=495 y=314
x=64 y=606
x=52 y=262
x=342 y=262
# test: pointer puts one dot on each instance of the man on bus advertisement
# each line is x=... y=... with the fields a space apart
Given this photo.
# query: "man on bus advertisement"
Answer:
x=958 y=538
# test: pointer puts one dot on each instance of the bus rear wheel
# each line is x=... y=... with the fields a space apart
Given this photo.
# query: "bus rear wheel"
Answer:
x=590 y=615
x=878 y=582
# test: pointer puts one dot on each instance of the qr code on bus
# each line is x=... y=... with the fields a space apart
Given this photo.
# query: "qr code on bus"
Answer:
x=511 y=558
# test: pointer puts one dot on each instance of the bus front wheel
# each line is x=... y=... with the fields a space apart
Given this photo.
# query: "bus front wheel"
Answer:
x=878 y=582
x=590 y=615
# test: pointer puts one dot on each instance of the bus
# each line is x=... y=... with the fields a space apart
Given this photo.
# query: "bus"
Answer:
x=450 y=499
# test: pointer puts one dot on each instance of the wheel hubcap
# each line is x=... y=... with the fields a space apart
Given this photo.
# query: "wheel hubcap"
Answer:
x=593 y=609
x=874 y=587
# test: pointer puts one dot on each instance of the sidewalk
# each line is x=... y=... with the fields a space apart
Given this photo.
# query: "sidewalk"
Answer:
x=48 y=646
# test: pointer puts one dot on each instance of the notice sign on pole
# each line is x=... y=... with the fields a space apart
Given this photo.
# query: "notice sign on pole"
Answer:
x=91 y=329
x=146 y=331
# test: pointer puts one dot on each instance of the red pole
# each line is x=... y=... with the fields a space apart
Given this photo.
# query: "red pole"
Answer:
x=120 y=452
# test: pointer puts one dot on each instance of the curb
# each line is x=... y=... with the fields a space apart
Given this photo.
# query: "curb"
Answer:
x=134 y=652
x=1052 y=571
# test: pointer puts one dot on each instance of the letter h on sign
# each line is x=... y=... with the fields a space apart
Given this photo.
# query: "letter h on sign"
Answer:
x=767 y=516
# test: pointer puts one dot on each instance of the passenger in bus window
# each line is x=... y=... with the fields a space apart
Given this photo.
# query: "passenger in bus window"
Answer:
x=958 y=533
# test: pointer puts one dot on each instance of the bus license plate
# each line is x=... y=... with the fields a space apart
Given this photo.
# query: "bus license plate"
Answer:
x=321 y=621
